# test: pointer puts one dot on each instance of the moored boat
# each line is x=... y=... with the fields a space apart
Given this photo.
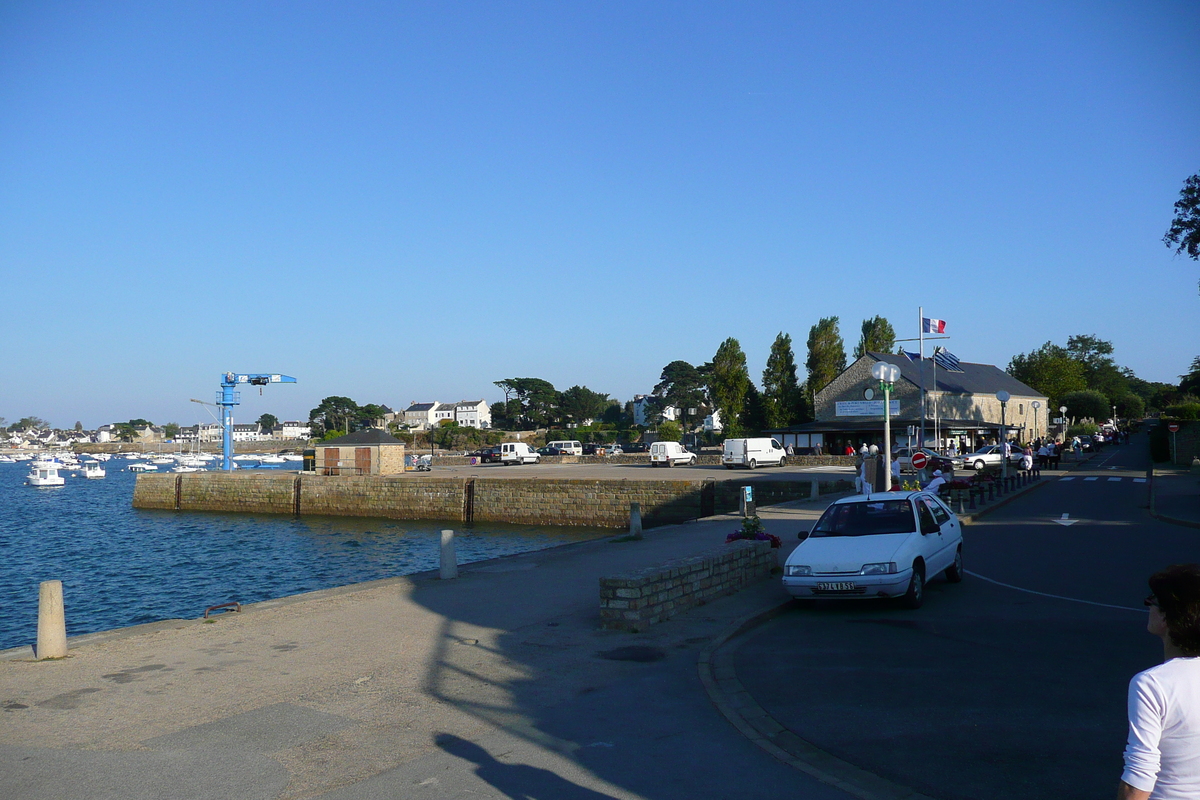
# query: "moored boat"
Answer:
x=44 y=473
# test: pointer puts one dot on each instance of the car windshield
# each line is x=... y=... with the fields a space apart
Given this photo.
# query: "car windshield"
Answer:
x=868 y=518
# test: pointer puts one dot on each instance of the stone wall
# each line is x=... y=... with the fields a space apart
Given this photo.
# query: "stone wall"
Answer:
x=531 y=501
x=635 y=600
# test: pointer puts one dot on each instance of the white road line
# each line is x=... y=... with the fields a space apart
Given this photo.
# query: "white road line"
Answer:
x=1068 y=479
x=1113 y=479
x=1093 y=478
x=1139 y=480
x=1053 y=596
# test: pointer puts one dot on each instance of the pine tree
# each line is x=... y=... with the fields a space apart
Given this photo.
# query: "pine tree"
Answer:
x=728 y=384
x=781 y=398
x=878 y=336
x=826 y=356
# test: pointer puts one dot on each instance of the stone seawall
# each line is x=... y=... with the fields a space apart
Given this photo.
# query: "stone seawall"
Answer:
x=530 y=501
x=636 y=600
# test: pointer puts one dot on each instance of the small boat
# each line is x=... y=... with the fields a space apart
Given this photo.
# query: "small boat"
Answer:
x=272 y=460
x=245 y=457
x=162 y=461
x=44 y=473
x=6 y=460
x=139 y=467
x=293 y=457
x=184 y=468
x=93 y=469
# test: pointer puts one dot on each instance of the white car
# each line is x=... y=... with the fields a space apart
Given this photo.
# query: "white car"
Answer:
x=904 y=456
x=878 y=545
x=991 y=456
x=669 y=454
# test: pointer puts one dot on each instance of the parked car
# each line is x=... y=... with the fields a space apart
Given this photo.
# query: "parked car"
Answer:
x=518 y=453
x=550 y=450
x=602 y=449
x=669 y=454
x=991 y=456
x=752 y=453
x=867 y=546
x=936 y=460
x=636 y=447
x=568 y=447
x=487 y=455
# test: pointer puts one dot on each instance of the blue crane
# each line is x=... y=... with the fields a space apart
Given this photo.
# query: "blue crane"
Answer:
x=227 y=398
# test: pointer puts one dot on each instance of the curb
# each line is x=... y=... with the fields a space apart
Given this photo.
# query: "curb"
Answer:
x=1187 y=523
x=737 y=705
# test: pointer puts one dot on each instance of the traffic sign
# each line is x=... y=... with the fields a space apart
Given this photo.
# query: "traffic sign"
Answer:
x=919 y=460
x=1174 y=426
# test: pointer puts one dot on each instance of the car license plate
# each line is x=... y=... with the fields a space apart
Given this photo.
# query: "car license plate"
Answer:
x=835 y=587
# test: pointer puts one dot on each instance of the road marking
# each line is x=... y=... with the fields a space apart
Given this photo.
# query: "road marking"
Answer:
x=1068 y=479
x=1052 y=596
x=1139 y=480
x=1114 y=479
x=1065 y=519
x=1092 y=478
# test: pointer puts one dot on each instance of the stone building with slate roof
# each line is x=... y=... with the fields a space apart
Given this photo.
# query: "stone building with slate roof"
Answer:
x=958 y=405
x=365 y=452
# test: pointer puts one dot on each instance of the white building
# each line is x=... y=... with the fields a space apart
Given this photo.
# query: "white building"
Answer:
x=641 y=410
x=420 y=415
x=292 y=429
x=473 y=414
x=246 y=432
x=443 y=411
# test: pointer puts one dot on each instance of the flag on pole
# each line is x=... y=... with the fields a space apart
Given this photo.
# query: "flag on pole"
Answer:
x=946 y=360
x=933 y=325
x=911 y=356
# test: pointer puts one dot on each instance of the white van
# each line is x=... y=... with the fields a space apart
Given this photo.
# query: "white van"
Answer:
x=572 y=448
x=670 y=454
x=518 y=453
x=751 y=453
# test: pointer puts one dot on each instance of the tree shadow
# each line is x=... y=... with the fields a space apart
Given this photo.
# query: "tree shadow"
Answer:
x=518 y=781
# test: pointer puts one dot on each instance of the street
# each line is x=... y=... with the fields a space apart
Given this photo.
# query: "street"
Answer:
x=1011 y=683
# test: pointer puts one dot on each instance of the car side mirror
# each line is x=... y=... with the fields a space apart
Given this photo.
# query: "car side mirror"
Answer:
x=803 y=534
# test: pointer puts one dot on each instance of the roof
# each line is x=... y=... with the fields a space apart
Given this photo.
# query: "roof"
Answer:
x=366 y=436
x=974 y=378
x=468 y=403
x=420 y=407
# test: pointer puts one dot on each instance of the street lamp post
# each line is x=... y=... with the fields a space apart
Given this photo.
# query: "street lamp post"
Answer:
x=887 y=375
x=1003 y=397
x=1062 y=412
x=1036 y=404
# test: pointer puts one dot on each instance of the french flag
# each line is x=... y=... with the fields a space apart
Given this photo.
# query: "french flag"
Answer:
x=933 y=325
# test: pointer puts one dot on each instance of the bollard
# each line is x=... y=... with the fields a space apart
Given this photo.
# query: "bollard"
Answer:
x=814 y=490
x=52 y=622
x=991 y=491
x=635 y=520
x=972 y=506
x=449 y=560
x=961 y=508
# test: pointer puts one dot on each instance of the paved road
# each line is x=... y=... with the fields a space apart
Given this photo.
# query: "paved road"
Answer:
x=996 y=688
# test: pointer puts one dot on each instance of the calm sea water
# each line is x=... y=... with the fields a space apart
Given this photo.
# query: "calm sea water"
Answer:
x=122 y=566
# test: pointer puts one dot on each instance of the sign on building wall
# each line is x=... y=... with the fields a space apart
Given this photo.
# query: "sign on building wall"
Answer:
x=864 y=408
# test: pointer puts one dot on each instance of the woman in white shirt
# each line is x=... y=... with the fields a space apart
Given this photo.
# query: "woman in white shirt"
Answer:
x=1162 y=757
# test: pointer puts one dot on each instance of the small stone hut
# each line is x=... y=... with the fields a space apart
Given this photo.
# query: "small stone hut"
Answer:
x=365 y=452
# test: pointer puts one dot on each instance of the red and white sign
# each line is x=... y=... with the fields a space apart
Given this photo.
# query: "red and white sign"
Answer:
x=919 y=460
x=1174 y=426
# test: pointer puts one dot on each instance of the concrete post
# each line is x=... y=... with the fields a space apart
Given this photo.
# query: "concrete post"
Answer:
x=814 y=490
x=449 y=559
x=635 y=520
x=52 y=622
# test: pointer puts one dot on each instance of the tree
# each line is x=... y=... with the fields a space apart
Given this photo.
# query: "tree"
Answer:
x=536 y=399
x=781 y=405
x=1100 y=371
x=1190 y=383
x=1087 y=404
x=335 y=413
x=1184 y=233
x=1130 y=406
x=754 y=415
x=728 y=383
x=878 y=336
x=670 y=432
x=32 y=423
x=78 y=427
x=1050 y=370
x=170 y=430
x=826 y=355
x=369 y=414
x=268 y=422
x=681 y=385
x=579 y=404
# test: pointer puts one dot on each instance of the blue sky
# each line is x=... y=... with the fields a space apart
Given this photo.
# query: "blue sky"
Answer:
x=408 y=201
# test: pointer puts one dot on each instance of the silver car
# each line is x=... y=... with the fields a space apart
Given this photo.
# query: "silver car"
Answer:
x=991 y=456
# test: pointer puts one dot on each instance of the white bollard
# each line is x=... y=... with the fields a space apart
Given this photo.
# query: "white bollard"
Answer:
x=635 y=520
x=52 y=622
x=815 y=491
x=449 y=560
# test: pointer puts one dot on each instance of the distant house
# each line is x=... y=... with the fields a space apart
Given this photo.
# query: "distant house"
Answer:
x=420 y=415
x=366 y=452
x=443 y=412
x=292 y=429
x=643 y=410
x=246 y=432
x=473 y=414
x=207 y=432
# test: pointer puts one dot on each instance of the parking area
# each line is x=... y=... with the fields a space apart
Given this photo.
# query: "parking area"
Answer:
x=644 y=472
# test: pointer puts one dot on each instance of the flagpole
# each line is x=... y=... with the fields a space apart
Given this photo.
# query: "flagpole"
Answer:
x=921 y=366
x=937 y=438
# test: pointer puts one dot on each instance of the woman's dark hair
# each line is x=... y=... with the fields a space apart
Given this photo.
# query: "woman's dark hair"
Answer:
x=1177 y=589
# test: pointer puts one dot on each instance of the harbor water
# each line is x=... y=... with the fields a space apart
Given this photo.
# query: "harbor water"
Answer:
x=122 y=566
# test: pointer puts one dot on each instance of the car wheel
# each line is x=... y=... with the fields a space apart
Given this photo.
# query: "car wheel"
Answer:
x=915 y=595
x=783 y=462
x=752 y=464
x=692 y=461
x=979 y=464
x=954 y=572
x=729 y=466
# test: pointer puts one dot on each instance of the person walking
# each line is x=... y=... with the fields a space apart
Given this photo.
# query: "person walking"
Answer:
x=1162 y=755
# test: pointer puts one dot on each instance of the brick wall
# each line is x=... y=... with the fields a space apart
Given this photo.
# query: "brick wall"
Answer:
x=154 y=491
x=602 y=503
x=397 y=497
x=633 y=601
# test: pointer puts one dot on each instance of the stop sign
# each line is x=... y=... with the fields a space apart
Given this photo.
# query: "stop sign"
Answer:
x=919 y=460
x=1174 y=426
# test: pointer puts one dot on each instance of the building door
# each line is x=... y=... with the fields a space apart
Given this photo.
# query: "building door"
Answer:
x=332 y=454
x=362 y=460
